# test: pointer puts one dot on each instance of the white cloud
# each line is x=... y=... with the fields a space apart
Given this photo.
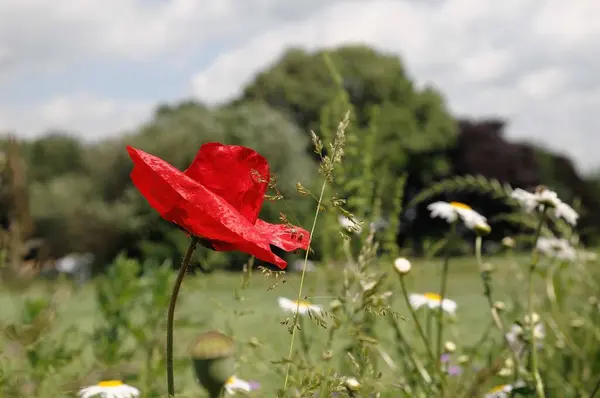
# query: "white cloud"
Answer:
x=486 y=65
x=533 y=62
x=78 y=113
x=569 y=24
x=543 y=83
x=65 y=32
x=488 y=58
x=426 y=37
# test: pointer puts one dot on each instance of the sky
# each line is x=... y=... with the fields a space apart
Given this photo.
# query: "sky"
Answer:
x=98 y=68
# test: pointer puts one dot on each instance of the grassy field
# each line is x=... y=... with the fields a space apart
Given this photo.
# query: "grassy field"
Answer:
x=254 y=319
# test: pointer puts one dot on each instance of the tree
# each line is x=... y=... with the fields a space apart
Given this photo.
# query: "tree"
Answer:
x=409 y=129
x=54 y=154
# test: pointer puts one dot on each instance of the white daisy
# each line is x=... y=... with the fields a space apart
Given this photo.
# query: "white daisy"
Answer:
x=567 y=213
x=235 y=384
x=433 y=301
x=110 y=389
x=542 y=198
x=502 y=391
x=454 y=210
x=556 y=248
x=303 y=306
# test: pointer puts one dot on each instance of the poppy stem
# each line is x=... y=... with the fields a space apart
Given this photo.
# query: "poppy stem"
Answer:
x=171 y=314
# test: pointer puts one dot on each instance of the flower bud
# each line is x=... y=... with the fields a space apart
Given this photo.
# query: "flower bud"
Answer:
x=499 y=305
x=449 y=346
x=351 y=384
x=508 y=242
x=402 y=266
x=213 y=359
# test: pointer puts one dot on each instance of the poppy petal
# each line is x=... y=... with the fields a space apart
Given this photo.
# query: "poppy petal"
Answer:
x=259 y=251
x=237 y=174
x=285 y=237
x=184 y=201
x=280 y=235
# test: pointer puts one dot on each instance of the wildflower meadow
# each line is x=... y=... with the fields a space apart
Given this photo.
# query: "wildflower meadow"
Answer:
x=326 y=306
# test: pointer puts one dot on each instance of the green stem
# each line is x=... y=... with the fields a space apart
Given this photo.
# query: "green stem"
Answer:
x=312 y=231
x=539 y=385
x=596 y=389
x=404 y=347
x=304 y=338
x=440 y=314
x=487 y=291
x=171 y=314
x=413 y=314
x=428 y=325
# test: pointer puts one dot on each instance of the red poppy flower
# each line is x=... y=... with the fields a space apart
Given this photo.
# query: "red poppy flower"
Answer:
x=217 y=198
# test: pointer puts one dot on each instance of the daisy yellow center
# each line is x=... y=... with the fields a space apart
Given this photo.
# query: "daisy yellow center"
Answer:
x=433 y=296
x=459 y=205
x=499 y=388
x=110 y=383
x=230 y=380
x=301 y=303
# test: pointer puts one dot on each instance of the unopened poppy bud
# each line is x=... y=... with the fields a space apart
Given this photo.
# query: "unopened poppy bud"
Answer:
x=213 y=359
x=402 y=266
x=449 y=346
